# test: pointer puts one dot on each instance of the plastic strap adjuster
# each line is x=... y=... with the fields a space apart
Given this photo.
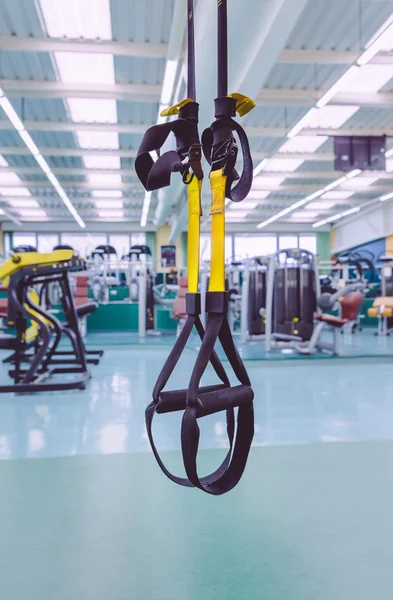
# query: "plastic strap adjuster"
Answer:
x=217 y=302
x=193 y=304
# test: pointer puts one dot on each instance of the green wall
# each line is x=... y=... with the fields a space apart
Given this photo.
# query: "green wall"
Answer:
x=323 y=245
x=151 y=242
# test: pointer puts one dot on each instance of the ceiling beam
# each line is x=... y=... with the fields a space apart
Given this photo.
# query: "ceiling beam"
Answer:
x=300 y=97
x=68 y=171
x=76 y=185
x=321 y=175
x=300 y=174
x=273 y=132
x=328 y=57
x=151 y=93
x=46 y=44
x=56 y=89
x=70 y=152
x=59 y=126
x=23 y=151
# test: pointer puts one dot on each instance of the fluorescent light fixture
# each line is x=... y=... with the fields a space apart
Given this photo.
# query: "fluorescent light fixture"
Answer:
x=386 y=197
x=17 y=123
x=296 y=205
x=76 y=19
x=23 y=202
x=145 y=209
x=11 y=114
x=109 y=204
x=14 y=191
x=369 y=78
x=83 y=67
x=267 y=182
x=31 y=212
x=29 y=143
x=335 y=183
x=337 y=195
x=107 y=193
x=43 y=164
x=389 y=153
x=304 y=144
x=353 y=173
x=340 y=84
x=104 y=178
x=258 y=194
x=346 y=213
x=87 y=110
x=381 y=42
x=9 y=178
x=261 y=166
x=302 y=123
x=101 y=162
x=169 y=80
x=111 y=214
x=331 y=116
x=10 y=216
x=316 y=194
x=98 y=140
x=283 y=165
x=3 y=162
x=283 y=212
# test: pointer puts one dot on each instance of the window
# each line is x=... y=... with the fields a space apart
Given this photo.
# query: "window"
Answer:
x=308 y=242
x=77 y=241
x=21 y=239
x=46 y=242
x=121 y=243
x=138 y=239
x=248 y=246
x=7 y=245
x=288 y=241
x=206 y=246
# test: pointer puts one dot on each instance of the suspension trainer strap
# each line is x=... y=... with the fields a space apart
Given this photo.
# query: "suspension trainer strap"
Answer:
x=227 y=398
x=171 y=401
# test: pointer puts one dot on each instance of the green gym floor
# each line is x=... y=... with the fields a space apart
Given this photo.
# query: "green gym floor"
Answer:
x=86 y=513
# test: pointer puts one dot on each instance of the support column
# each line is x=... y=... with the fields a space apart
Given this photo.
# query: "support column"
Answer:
x=323 y=245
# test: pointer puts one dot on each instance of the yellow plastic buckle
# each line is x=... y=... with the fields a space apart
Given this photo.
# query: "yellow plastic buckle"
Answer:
x=243 y=104
x=174 y=110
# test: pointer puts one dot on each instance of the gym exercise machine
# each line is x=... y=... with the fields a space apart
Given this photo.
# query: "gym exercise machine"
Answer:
x=291 y=297
x=349 y=300
x=37 y=330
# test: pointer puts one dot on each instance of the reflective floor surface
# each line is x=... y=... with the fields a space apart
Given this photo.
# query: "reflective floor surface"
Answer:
x=310 y=520
x=364 y=343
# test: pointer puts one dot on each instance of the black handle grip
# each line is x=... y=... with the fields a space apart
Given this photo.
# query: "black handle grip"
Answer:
x=176 y=399
x=224 y=398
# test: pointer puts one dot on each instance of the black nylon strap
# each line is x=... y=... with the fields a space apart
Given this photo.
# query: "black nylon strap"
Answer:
x=162 y=380
x=212 y=139
x=157 y=174
x=217 y=326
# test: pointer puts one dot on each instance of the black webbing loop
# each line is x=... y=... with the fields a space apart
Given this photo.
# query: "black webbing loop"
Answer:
x=171 y=401
x=217 y=327
x=157 y=174
x=220 y=149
